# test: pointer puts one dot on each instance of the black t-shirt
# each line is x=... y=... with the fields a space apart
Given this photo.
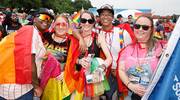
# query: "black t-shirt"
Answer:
x=115 y=22
x=58 y=50
x=92 y=49
x=10 y=29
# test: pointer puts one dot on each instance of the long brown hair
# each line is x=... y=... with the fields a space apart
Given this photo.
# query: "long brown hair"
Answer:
x=151 y=43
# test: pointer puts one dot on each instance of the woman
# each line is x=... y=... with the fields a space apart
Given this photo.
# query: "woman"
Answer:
x=95 y=42
x=167 y=27
x=160 y=29
x=10 y=24
x=57 y=43
x=139 y=59
x=24 y=19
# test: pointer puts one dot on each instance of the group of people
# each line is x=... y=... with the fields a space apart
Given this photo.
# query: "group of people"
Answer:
x=165 y=28
x=127 y=54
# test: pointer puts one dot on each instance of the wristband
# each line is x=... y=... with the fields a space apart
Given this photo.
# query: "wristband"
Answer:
x=103 y=66
x=128 y=83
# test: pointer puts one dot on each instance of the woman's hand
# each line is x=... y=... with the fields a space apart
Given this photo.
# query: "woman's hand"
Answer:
x=97 y=74
x=84 y=62
x=82 y=45
x=38 y=92
x=60 y=77
x=164 y=48
x=137 y=88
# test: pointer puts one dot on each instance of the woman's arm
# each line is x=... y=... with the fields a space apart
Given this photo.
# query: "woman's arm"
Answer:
x=98 y=72
x=103 y=45
x=82 y=44
x=34 y=78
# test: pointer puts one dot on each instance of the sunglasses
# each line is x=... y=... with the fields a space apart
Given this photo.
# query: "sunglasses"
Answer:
x=44 y=17
x=63 y=24
x=144 y=27
x=90 y=21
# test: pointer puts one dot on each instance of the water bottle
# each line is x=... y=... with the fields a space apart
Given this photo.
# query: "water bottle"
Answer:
x=88 y=69
x=36 y=98
x=145 y=80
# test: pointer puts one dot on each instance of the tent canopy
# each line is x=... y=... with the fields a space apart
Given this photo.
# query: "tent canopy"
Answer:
x=126 y=13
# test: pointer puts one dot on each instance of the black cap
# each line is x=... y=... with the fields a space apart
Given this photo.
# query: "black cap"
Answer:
x=119 y=15
x=105 y=7
x=44 y=11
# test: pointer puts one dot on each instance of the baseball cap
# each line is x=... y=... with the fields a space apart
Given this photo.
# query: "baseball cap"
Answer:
x=44 y=11
x=105 y=7
x=119 y=15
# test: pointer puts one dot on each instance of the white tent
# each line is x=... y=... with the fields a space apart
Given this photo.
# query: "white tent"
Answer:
x=125 y=13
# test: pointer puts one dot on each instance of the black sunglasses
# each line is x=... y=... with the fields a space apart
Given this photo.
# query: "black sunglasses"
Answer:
x=90 y=21
x=144 y=27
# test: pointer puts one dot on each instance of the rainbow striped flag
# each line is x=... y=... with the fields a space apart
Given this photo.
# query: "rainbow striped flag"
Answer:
x=137 y=14
x=15 y=54
x=49 y=84
x=157 y=35
x=73 y=80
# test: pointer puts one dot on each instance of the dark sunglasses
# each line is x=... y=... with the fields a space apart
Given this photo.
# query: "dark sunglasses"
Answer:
x=144 y=27
x=90 y=21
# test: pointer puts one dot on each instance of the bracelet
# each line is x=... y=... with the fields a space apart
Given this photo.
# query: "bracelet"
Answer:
x=128 y=83
x=103 y=66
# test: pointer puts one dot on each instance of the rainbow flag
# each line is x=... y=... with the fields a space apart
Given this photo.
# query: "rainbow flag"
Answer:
x=73 y=80
x=157 y=35
x=49 y=84
x=15 y=54
x=137 y=14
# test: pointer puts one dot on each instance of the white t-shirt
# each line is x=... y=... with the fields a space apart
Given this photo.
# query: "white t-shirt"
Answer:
x=113 y=42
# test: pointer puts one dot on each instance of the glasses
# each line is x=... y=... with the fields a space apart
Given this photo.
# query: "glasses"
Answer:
x=90 y=21
x=44 y=17
x=144 y=27
x=63 y=24
x=14 y=17
x=103 y=15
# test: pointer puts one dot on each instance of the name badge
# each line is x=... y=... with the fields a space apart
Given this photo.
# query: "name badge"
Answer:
x=134 y=78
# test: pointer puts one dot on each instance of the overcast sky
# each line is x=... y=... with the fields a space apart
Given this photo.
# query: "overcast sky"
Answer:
x=158 y=7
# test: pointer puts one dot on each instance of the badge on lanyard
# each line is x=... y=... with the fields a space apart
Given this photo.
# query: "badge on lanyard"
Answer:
x=134 y=78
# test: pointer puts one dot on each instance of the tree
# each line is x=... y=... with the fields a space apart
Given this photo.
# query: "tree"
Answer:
x=19 y=4
x=58 y=6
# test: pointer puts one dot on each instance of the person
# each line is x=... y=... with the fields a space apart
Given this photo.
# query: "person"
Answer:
x=24 y=19
x=130 y=21
x=118 y=20
x=95 y=42
x=21 y=66
x=173 y=25
x=57 y=43
x=167 y=27
x=160 y=29
x=116 y=38
x=139 y=58
x=10 y=24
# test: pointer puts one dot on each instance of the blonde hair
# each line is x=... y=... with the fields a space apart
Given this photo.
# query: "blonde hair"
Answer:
x=24 y=16
x=62 y=16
